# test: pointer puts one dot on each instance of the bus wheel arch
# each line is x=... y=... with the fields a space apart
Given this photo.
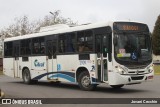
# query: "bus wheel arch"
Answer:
x=79 y=71
x=83 y=79
x=26 y=76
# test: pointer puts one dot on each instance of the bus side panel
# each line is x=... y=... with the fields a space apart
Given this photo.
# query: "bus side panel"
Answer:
x=92 y=67
x=38 y=67
x=8 y=68
x=115 y=79
x=66 y=67
x=24 y=63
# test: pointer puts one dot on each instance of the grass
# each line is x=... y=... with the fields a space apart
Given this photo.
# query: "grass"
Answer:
x=157 y=69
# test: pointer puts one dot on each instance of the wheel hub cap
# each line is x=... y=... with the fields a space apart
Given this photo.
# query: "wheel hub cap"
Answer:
x=85 y=81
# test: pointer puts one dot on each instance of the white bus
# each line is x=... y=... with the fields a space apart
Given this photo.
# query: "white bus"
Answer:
x=115 y=53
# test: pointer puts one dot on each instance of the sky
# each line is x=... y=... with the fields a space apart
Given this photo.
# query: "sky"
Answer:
x=82 y=11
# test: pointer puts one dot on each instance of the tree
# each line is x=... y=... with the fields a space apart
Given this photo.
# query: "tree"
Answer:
x=54 y=18
x=23 y=26
x=156 y=37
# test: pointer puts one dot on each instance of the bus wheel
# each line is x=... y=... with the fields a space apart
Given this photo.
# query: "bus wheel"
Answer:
x=117 y=86
x=26 y=76
x=84 y=82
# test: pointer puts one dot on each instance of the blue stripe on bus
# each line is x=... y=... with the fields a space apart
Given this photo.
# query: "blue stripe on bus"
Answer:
x=71 y=74
x=64 y=76
x=41 y=76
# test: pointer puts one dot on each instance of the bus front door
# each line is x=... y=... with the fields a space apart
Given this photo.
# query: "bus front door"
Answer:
x=16 y=61
x=51 y=60
x=102 y=42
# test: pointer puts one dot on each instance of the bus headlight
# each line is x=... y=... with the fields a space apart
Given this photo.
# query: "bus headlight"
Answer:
x=150 y=69
x=120 y=70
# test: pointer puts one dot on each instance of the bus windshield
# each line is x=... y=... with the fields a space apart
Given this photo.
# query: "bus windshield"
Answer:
x=132 y=47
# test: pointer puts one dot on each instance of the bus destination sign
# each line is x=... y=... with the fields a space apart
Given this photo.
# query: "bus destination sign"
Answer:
x=129 y=26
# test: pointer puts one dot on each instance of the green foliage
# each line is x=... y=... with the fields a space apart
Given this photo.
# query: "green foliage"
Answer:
x=156 y=37
x=157 y=69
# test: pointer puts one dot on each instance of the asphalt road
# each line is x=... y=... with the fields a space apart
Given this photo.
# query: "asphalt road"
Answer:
x=14 y=88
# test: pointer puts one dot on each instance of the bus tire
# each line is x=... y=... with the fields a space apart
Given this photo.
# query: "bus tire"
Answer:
x=85 y=83
x=117 y=86
x=26 y=76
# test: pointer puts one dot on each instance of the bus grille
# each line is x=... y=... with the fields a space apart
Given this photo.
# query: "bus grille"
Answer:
x=136 y=72
x=137 y=67
x=137 y=78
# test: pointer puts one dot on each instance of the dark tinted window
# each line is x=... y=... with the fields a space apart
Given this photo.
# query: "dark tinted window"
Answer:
x=85 y=41
x=16 y=50
x=62 y=42
x=67 y=43
x=8 y=49
x=25 y=47
x=38 y=46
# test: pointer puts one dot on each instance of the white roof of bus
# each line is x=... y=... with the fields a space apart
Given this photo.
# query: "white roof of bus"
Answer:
x=59 y=31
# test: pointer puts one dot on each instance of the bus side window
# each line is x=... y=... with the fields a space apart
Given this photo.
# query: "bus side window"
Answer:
x=61 y=45
x=85 y=41
x=42 y=46
x=25 y=47
x=38 y=45
x=54 y=47
x=28 y=49
x=71 y=40
x=67 y=43
x=98 y=45
x=22 y=47
x=80 y=41
x=49 y=49
x=8 y=52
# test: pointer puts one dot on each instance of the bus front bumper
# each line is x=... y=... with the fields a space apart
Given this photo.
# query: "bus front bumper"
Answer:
x=118 y=79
